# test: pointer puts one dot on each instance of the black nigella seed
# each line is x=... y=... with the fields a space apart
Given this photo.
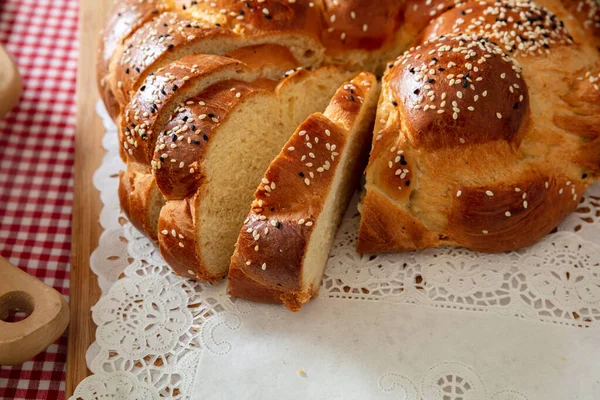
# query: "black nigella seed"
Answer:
x=205 y=137
x=301 y=174
x=408 y=182
x=196 y=141
x=277 y=224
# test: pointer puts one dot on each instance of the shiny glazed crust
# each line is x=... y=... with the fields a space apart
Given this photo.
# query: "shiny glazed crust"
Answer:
x=269 y=264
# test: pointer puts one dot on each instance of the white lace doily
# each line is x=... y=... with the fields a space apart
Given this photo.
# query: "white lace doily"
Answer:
x=445 y=324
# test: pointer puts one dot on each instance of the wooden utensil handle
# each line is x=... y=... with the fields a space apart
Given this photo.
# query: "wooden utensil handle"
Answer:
x=48 y=315
x=10 y=83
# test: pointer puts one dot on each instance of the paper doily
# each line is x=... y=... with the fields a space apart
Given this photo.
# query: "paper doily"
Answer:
x=445 y=323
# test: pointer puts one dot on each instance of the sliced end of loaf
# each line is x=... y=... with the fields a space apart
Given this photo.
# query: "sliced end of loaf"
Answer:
x=239 y=147
x=140 y=198
x=283 y=247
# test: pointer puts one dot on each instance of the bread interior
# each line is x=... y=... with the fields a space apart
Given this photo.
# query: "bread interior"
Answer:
x=238 y=155
x=347 y=173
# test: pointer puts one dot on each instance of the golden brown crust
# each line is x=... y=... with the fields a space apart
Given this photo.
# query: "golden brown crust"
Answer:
x=138 y=194
x=126 y=17
x=387 y=228
x=418 y=13
x=587 y=12
x=274 y=239
x=514 y=216
x=488 y=186
x=517 y=27
x=161 y=93
x=250 y=18
x=153 y=44
x=357 y=24
x=280 y=225
x=452 y=86
x=582 y=118
x=179 y=151
x=177 y=239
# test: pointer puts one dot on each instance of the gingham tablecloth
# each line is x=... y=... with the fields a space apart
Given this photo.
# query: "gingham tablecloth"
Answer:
x=36 y=168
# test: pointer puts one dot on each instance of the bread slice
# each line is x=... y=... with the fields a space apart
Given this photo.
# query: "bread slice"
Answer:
x=147 y=115
x=283 y=247
x=212 y=154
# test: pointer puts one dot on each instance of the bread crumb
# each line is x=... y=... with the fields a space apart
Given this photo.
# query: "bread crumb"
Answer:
x=302 y=373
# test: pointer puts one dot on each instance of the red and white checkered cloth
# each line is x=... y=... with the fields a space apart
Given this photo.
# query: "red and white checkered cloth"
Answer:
x=36 y=168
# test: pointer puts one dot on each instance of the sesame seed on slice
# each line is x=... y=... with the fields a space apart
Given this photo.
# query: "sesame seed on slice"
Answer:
x=484 y=232
x=508 y=214
x=264 y=266
x=458 y=193
x=489 y=193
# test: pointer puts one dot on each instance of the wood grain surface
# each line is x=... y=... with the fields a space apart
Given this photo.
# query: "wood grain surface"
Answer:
x=84 y=291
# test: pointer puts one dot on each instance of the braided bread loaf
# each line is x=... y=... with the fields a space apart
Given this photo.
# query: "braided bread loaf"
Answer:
x=486 y=134
x=475 y=148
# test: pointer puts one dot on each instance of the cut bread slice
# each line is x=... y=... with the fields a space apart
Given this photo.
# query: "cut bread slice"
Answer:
x=150 y=111
x=212 y=154
x=284 y=244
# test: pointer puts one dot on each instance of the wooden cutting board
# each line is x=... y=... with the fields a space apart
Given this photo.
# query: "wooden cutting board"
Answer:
x=86 y=203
